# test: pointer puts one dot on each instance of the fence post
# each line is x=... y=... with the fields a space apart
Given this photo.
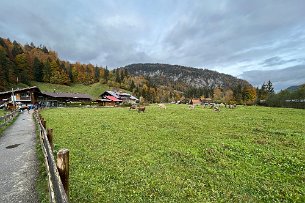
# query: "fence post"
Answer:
x=50 y=138
x=44 y=123
x=63 y=168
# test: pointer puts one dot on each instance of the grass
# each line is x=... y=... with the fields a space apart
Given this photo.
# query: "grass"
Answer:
x=3 y=128
x=2 y=112
x=42 y=178
x=248 y=154
x=94 y=90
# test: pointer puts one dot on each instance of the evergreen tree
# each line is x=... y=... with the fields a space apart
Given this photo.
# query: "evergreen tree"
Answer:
x=132 y=86
x=269 y=88
x=3 y=69
x=70 y=73
x=16 y=49
x=96 y=74
x=38 y=70
x=45 y=50
x=238 y=93
x=47 y=71
x=117 y=76
x=106 y=74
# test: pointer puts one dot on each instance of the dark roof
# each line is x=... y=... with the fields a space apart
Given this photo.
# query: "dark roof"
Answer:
x=67 y=95
x=111 y=93
x=21 y=90
x=103 y=100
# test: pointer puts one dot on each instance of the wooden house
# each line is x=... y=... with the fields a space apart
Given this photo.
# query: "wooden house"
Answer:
x=111 y=98
x=26 y=96
x=33 y=95
x=54 y=99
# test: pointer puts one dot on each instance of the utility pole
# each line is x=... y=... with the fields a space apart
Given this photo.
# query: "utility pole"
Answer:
x=13 y=97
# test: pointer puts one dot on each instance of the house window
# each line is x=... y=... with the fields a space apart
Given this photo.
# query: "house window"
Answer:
x=25 y=94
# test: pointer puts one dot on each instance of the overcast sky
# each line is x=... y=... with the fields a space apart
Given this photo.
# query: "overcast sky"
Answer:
x=243 y=38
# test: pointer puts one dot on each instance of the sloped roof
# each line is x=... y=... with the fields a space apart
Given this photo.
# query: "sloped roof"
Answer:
x=21 y=90
x=67 y=95
x=133 y=98
x=112 y=98
x=112 y=93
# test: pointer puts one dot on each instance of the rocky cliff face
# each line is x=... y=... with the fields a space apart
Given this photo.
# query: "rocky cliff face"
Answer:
x=164 y=74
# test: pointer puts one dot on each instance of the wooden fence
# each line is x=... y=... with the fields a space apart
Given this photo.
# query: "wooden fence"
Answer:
x=4 y=120
x=58 y=172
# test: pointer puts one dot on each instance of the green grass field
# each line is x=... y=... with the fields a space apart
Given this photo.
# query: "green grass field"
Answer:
x=2 y=112
x=248 y=154
x=94 y=90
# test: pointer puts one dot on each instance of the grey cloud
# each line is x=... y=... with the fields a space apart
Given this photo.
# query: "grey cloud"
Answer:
x=281 y=79
x=274 y=61
x=235 y=31
x=223 y=35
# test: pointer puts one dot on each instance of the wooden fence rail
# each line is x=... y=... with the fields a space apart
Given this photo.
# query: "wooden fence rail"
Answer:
x=58 y=173
x=4 y=120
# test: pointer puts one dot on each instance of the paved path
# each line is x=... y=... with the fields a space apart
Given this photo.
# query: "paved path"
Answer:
x=18 y=161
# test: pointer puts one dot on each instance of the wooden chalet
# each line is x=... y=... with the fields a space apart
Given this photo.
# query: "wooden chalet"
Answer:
x=54 y=99
x=111 y=98
x=33 y=95
x=27 y=95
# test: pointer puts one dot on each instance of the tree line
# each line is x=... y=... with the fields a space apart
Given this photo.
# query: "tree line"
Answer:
x=23 y=64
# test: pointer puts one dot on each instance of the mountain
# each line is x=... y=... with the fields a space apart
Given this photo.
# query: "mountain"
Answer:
x=171 y=75
x=294 y=88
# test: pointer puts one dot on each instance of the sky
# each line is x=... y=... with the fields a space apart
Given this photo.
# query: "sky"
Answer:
x=257 y=40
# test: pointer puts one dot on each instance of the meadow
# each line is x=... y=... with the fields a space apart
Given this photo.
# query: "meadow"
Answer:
x=247 y=154
x=95 y=90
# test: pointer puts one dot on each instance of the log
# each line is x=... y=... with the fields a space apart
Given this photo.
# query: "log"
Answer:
x=63 y=168
x=50 y=138
x=44 y=123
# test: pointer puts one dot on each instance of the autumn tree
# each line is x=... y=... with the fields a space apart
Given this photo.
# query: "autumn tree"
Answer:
x=23 y=68
x=217 y=95
x=228 y=96
x=58 y=75
x=249 y=95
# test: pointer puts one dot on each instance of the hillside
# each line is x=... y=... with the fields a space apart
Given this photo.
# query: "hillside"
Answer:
x=165 y=74
x=25 y=63
x=295 y=88
x=93 y=89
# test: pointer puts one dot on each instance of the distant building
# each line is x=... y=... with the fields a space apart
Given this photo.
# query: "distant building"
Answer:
x=111 y=98
x=195 y=101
